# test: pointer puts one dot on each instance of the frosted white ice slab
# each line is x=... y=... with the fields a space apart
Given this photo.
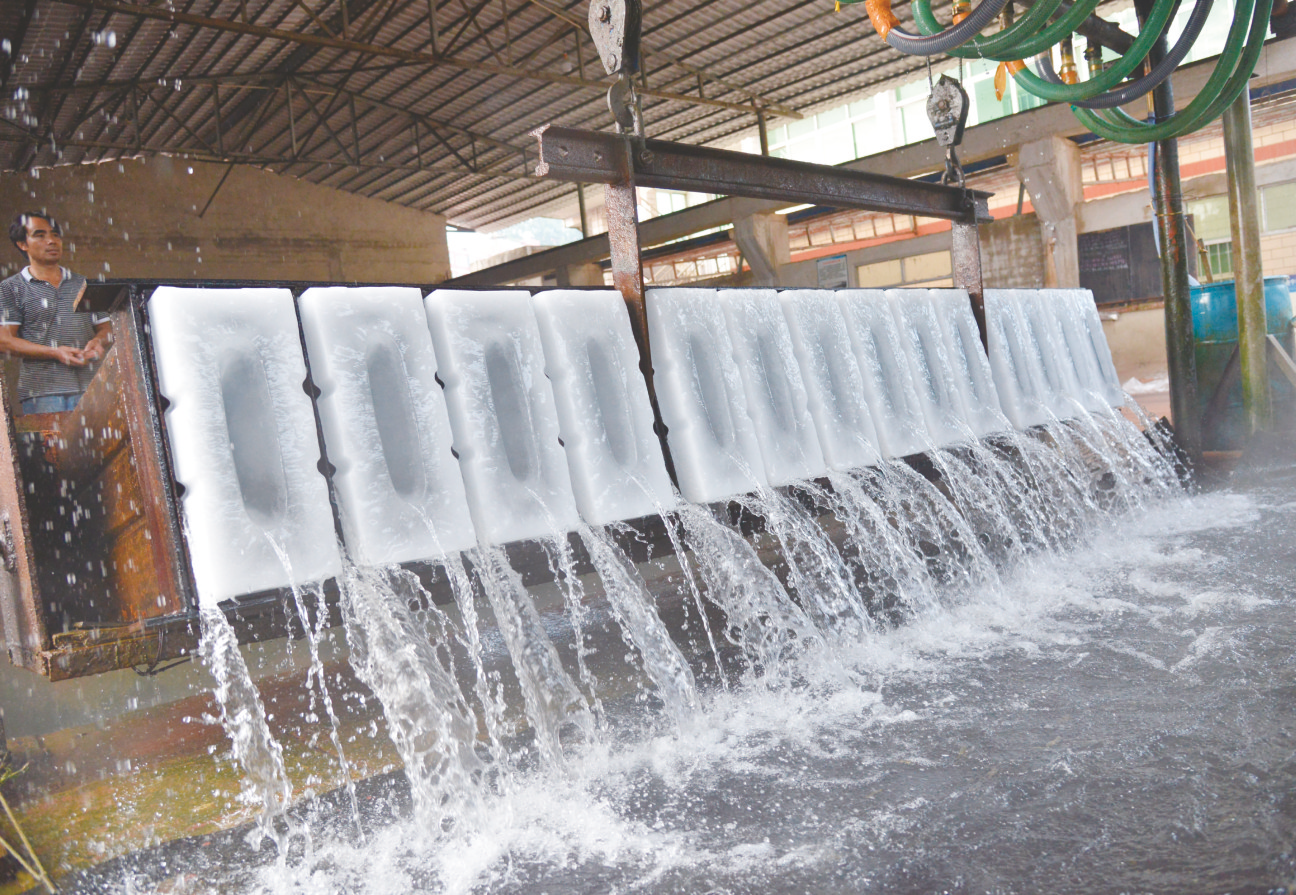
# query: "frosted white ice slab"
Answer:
x=243 y=439
x=399 y=491
x=1083 y=332
x=884 y=367
x=1014 y=361
x=933 y=370
x=1040 y=313
x=613 y=454
x=502 y=413
x=834 y=386
x=776 y=396
x=700 y=393
x=969 y=363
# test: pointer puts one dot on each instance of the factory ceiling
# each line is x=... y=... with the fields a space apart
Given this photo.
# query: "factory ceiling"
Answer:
x=426 y=103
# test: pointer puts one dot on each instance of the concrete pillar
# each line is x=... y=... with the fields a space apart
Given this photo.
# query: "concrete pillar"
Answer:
x=1050 y=169
x=579 y=275
x=763 y=240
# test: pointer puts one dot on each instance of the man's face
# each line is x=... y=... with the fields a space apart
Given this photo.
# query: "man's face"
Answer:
x=43 y=244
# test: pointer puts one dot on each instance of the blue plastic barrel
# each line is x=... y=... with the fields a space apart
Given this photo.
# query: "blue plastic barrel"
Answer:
x=1214 y=310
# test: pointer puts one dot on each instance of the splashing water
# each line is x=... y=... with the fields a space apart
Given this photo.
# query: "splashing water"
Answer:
x=243 y=717
x=989 y=740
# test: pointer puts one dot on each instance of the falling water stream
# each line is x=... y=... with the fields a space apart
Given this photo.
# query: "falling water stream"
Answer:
x=1081 y=683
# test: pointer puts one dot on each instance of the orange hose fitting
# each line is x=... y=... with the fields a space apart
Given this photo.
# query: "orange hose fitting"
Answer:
x=1001 y=76
x=880 y=14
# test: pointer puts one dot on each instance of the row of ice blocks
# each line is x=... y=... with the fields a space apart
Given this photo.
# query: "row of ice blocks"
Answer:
x=758 y=387
x=500 y=416
x=465 y=417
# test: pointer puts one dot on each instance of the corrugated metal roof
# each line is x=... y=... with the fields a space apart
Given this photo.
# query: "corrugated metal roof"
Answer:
x=97 y=79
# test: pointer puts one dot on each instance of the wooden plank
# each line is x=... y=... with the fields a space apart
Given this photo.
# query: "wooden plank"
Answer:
x=1284 y=361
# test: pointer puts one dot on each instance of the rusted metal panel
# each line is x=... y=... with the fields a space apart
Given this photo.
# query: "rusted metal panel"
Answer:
x=965 y=251
x=81 y=653
x=152 y=464
x=120 y=576
x=20 y=604
x=579 y=156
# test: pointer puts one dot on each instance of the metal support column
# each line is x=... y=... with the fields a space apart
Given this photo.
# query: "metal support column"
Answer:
x=1173 y=226
x=1248 y=274
x=965 y=251
x=621 y=208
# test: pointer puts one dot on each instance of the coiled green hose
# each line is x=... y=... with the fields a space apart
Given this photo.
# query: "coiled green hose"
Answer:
x=1032 y=34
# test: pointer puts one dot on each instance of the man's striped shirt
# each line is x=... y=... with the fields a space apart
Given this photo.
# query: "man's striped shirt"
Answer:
x=44 y=315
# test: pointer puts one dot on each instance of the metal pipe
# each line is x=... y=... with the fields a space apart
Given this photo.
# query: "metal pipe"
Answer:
x=1180 y=343
x=1248 y=274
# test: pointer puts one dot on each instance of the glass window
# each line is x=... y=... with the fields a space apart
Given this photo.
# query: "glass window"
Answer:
x=1278 y=204
x=987 y=107
x=803 y=128
x=862 y=107
x=871 y=137
x=1210 y=218
x=1220 y=257
x=914 y=117
x=832 y=116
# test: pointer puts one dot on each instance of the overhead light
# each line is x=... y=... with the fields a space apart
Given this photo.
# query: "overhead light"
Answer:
x=791 y=208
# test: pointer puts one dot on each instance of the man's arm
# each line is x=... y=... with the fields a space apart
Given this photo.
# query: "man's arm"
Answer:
x=98 y=346
x=64 y=354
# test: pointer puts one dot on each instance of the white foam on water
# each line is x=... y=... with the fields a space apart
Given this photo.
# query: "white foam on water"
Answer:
x=386 y=430
x=243 y=439
x=690 y=812
x=889 y=385
x=776 y=396
x=614 y=455
x=502 y=414
x=700 y=392
x=834 y=386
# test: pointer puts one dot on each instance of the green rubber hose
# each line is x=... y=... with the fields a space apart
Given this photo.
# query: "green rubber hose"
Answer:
x=1025 y=37
x=1232 y=72
x=1149 y=34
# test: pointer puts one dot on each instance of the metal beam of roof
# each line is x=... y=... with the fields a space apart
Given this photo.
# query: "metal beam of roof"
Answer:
x=369 y=49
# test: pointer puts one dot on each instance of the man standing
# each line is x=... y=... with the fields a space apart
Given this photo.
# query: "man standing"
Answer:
x=39 y=323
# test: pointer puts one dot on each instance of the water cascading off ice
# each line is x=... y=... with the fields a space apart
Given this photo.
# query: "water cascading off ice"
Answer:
x=254 y=503
x=862 y=432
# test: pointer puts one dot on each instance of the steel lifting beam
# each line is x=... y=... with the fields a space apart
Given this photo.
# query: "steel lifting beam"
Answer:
x=621 y=163
x=579 y=156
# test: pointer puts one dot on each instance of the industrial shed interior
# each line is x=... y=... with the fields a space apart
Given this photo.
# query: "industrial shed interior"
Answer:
x=516 y=406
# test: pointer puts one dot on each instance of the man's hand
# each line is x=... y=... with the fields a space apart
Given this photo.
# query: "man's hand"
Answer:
x=69 y=356
x=94 y=350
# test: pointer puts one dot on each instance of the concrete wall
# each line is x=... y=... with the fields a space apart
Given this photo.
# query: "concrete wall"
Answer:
x=1012 y=253
x=140 y=218
x=1137 y=341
